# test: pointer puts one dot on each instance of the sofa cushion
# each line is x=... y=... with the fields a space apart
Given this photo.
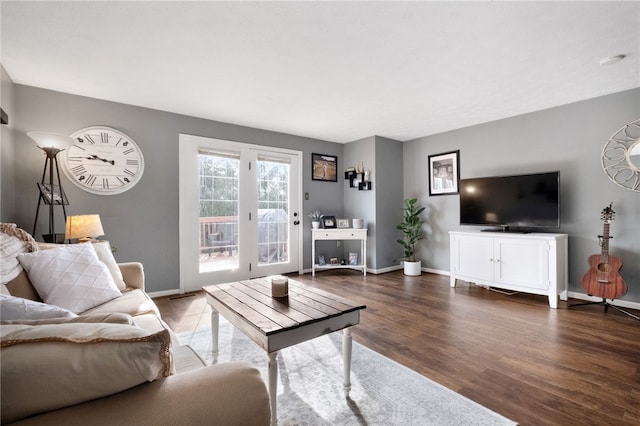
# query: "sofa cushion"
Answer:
x=105 y=254
x=47 y=367
x=153 y=323
x=22 y=287
x=70 y=276
x=17 y=308
x=185 y=359
x=112 y=318
x=132 y=302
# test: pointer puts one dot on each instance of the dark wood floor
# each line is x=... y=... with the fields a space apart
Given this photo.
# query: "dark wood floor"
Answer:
x=512 y=354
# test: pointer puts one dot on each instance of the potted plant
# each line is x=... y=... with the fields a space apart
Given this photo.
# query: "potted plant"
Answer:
x=315 y=218
x=411 y=227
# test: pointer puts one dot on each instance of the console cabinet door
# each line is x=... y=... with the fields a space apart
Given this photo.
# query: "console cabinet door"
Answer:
x=522 y=262
x=474 y=257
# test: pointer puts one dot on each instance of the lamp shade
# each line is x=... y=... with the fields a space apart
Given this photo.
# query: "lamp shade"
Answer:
x=50 y=140
x=83 y=227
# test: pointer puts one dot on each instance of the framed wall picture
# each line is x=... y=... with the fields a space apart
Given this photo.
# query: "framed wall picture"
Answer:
x=343 y=223
x=444 y=173
x=324 y=167
x=328 y=221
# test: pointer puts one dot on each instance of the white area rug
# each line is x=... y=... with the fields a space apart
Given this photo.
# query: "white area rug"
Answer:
x=310 y=392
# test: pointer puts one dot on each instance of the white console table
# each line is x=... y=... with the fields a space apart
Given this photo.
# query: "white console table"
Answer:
x=530 y=263
x=339 y=234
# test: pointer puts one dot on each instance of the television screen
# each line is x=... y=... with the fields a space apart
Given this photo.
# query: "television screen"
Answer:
x=519 y=201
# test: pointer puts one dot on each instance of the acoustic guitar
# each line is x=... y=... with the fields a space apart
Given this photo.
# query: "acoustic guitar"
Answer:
x=603 y=279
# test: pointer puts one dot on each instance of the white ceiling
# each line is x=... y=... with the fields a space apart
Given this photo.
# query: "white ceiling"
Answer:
x=335 y=71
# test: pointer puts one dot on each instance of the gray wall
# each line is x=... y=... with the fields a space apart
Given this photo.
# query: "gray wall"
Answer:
x=567 y=138
x=389 y=198
x=141 y=223
x=7 y=165
x=380 y=207
x=361 y=204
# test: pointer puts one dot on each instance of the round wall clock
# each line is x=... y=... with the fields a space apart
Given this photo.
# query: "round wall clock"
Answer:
x=620 y=157
x=103 y=161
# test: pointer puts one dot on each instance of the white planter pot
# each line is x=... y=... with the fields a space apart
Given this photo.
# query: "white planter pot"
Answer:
x=315 y=225
x=413 y=268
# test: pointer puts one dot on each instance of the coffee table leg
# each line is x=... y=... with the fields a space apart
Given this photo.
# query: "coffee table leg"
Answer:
x=346 y=359
x=215 y=326
x=273 y=386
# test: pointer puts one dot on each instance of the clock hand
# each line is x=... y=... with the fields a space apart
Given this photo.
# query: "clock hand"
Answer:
x=95 y=157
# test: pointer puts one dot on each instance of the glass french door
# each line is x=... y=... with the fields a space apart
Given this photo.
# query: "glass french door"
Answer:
x=239 y=211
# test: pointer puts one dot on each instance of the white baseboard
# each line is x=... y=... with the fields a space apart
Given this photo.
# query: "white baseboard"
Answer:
x=164 y=293
x=384 y=270
x=436 y=271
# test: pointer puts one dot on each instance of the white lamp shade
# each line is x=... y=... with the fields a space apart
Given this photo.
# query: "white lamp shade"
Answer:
x=50 y=140
x=83 y=227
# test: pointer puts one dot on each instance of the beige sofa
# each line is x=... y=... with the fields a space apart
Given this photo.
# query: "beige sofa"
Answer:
x=116 y=363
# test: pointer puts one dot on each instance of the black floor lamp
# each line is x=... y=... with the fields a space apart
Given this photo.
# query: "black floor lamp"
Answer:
x=51 y=193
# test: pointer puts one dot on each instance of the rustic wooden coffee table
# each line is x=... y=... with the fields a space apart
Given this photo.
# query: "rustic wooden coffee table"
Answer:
x=277 y=323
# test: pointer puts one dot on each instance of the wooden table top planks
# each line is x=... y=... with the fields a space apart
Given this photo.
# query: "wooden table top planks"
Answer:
x=307 y=312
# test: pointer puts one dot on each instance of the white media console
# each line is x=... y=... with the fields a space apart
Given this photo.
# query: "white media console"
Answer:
x=530 y=263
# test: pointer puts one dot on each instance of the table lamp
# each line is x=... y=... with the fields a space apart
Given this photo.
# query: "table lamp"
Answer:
x=83 y=227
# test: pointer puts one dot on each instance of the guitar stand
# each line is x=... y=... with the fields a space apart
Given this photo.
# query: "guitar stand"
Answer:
x=606 y=305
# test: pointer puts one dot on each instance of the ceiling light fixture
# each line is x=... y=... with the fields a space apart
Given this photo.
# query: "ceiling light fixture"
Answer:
x=612 y=60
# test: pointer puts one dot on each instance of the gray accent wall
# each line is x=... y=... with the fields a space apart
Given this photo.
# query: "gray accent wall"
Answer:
x=389 y=199
x=381 y=207
x=568 y=138
x=141 y=223
x=7 y=163
x=361 y=204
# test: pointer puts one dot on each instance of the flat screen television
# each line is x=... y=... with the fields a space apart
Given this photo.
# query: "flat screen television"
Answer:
x=511 y=203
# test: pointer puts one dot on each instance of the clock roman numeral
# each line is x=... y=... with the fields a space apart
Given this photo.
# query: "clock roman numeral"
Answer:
x=105 y=183
x=80 y=147
x=104 y=137
x=118 y=143
x=90 y=139
x=132 y=162
x=78 y=170
x=129 y=172
x=74 y=159
x=91 y=180
x=128 y=151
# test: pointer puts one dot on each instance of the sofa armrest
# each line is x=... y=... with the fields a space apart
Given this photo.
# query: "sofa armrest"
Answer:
x=133 y=274
x=231 y=393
